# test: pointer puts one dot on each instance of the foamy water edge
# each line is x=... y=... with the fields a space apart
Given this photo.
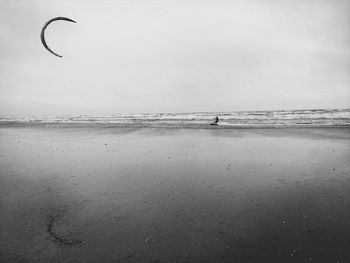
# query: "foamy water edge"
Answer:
x=251 y=119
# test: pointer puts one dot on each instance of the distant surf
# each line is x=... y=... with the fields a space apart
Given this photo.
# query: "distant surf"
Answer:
x=236 y=119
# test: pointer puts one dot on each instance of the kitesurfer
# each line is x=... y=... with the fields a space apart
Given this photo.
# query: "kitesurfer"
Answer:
x=216 y=121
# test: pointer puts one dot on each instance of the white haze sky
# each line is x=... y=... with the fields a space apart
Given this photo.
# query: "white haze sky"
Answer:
x=174 y=56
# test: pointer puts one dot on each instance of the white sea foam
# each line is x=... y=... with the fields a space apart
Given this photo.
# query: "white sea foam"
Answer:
x=319 y=117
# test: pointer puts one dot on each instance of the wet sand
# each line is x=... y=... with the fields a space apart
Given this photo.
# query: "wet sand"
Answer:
x=171 y=195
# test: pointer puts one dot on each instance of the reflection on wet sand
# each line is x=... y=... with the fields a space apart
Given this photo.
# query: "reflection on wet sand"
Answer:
x=163 y=195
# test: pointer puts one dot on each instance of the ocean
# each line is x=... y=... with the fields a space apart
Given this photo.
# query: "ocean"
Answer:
x=235 y=119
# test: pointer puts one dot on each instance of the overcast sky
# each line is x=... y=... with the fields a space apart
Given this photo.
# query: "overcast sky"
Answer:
x=174 y=56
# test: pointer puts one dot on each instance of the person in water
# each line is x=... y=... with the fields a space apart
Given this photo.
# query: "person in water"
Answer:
x=216 y=121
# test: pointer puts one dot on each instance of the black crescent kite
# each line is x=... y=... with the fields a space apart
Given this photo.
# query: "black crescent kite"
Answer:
x=42 y=35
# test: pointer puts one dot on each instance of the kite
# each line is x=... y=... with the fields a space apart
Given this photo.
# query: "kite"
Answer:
x=42 y=35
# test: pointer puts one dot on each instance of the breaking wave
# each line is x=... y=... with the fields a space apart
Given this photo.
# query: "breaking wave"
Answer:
x=279 y=118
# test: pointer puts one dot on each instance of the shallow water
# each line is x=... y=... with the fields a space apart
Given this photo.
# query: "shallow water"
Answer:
x=285 y=118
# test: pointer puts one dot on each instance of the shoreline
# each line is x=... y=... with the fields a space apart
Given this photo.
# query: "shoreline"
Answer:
x=168 y=126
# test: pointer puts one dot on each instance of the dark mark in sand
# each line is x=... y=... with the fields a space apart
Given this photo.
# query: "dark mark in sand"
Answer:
x=60 y=240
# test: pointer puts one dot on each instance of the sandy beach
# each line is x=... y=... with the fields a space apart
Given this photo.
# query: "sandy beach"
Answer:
x=104 y=194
